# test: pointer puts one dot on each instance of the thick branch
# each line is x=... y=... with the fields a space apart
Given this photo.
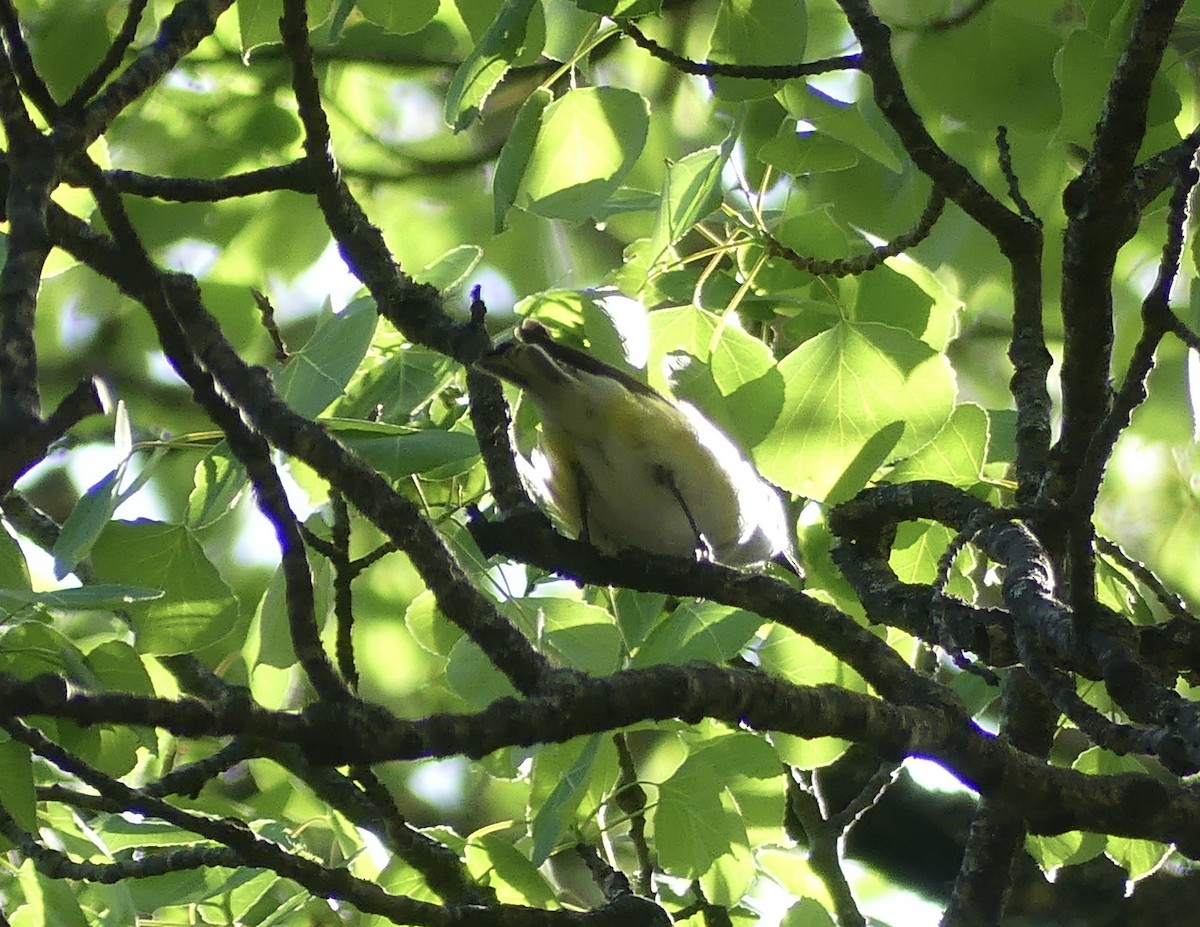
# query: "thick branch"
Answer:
x=1055 y=799
x=998 y=830
x=1102 y=214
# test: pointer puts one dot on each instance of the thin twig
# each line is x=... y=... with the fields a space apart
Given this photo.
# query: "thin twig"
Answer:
x=719 y=69
x=845 y=267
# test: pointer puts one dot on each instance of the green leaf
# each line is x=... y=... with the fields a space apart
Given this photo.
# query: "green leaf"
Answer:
x=578 y=635
x=760 y=121
x=93 y=597
x=628 y=200
x=189 y=887
x=750 y=32
x=1117 y=589
x=623 y=8
x=809 y=232
x=917 y=550
x=617 y=329
x=1139 y=858
x=904 y=294
x=69 y=41
x=399 y=453
x=791 y=871
x=217 y=485
x=315 y=375
x=844 y=122
x=196 y=609
x=515 y=155
x=269 y=637
x=118 y=751
x=955 y=455
x=473 y=677
x=14 y=571
x=1067 y=849
x=451 y=268
x=552 y=814
x=17 y=796
x=117 y=667
x=730 y=875
x=739 y=756
x=736 y=383
x=49 y=901
x=693 y=828
x=408 y=377
x=568 y=29
x=96 y=507
x=793 y=656
x=399 y=18
x=494 y=53
x=636 y=613
x=429 y=627
x=603 y=322
x=87 y=519
x=514 y=878
x=1081 y=83
x=263 y=888
x=29 y=648
x=872 y=455
x=807 y=912
x=806 y=152
x=562 y=312
x=287 y=216
x=698 y=631
x=691 y=190
x=840 y=389
x=588 y=141
x=1009 y=81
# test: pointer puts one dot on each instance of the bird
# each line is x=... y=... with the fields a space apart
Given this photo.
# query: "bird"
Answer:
x=621 y=466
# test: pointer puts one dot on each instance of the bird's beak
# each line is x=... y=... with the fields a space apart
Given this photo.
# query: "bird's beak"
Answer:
x=525 y=365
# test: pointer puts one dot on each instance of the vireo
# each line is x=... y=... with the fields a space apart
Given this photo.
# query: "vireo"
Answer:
x=625 y=466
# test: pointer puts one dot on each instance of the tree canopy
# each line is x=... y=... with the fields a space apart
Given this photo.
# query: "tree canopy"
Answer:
x=284 y=638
